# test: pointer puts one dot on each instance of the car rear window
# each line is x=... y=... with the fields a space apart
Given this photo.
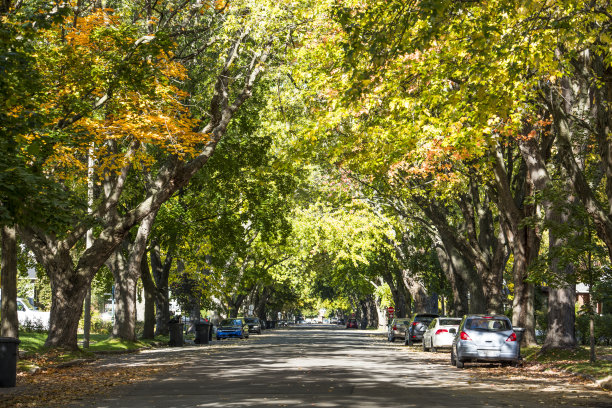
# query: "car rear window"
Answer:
x=445 y=322
x=402 y=322
x=490 y=324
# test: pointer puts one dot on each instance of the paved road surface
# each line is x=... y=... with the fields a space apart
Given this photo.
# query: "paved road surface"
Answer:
x=327 y=366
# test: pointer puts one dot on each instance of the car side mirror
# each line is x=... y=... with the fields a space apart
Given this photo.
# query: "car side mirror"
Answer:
x=452 y=331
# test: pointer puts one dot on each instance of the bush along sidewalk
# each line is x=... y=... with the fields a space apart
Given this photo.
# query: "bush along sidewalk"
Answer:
x=575 y=361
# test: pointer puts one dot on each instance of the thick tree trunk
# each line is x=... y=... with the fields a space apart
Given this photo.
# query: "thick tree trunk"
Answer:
x=561 y=300
x=526 y=246
x=261 y=303
x=125 y=297
x=460 y=300
x=150 y=290
x=161 y=273
x=421 y=301
x=9 y=325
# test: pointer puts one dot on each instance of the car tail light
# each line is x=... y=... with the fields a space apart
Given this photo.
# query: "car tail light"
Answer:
x=488 y=317
x=512 y=337
x=414 y=323
x=394 y=327
x=464 y=336
x=441 y=331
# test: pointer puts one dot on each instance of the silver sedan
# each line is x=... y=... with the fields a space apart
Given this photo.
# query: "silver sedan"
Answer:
x=487 y=339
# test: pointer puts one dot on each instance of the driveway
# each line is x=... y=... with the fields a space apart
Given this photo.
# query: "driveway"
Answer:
x=329 y=366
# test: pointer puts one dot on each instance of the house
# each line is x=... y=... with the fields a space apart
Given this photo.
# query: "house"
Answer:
x=583 y=297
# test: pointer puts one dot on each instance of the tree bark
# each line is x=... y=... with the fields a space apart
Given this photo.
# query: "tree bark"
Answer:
x=523 y=239
x=451 y=264
x=561 y=299
x=150 y=290
x=9 y=324
x=161 y=273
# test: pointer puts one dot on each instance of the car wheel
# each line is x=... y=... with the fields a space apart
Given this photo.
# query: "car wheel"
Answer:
x=424 y=348
x=434 y=350
x=392 y=339
x=459 y=363
x=218 y=338
x=452 y=357
x=409 y=341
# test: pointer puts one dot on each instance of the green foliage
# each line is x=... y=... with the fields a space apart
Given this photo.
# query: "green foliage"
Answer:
x=602 y=326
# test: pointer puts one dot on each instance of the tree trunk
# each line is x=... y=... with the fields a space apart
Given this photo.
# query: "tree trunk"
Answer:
x=561 y=300
x=125 y=298
x=9 y=324
x=460 y=303
x=161 y=273
x=421 y=302
x=68 y=292
x=261 y=302
x=150 y=290
x=526 y=246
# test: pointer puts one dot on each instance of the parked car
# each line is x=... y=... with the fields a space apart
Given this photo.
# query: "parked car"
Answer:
x=440 y=333
x=352 y=324
x=485 y=339
x=418 y=324
x=397 y=328
x=255 y=325
x=29 y=315
x=235 y=327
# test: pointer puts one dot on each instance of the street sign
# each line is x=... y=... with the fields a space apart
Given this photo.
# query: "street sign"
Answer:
x=390 y=310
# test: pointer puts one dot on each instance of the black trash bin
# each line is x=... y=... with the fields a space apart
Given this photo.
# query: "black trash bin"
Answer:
x=8 y=361
x=202 y=333
x=176 y=334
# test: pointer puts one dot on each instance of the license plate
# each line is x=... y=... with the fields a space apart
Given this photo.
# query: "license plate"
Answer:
x=491 y=353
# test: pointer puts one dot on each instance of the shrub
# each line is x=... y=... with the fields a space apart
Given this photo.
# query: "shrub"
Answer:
x=602 y=328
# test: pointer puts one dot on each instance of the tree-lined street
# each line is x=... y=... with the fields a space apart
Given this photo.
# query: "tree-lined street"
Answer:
x=253 y=164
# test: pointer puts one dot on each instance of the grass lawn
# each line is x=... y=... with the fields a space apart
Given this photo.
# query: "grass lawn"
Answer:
x=575 y=361
x=37 y=355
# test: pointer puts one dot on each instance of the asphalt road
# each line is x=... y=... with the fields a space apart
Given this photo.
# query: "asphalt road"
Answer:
x=328 y=366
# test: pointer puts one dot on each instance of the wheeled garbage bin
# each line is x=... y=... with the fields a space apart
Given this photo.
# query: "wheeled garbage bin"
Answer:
x=176 y=334
x=202 y=330
x=8 y=361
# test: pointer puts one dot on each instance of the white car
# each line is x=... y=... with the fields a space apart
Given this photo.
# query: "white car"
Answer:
x=440 y=333
x=28 y=315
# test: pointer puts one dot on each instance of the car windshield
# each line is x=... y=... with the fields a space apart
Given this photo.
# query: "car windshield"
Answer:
x=488 y=324
x=231 y=322
x=250 y=320
x=449 y=322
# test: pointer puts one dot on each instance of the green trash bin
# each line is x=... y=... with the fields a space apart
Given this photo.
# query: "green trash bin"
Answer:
x=8 y=361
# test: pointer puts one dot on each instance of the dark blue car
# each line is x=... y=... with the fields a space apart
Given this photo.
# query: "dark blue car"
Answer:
x=232 y=328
